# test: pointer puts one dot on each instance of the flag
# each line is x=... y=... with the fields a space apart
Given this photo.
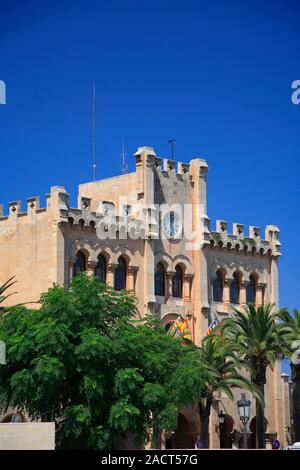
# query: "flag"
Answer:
x=211 y=327
x=181 y=328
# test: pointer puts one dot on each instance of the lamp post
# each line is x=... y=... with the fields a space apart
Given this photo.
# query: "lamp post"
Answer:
x=221 y=424
x=244 y=412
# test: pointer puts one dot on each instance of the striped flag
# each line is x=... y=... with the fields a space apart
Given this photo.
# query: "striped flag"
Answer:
x=211 y=327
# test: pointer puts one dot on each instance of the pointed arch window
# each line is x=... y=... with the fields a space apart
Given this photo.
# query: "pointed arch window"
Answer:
x=160 y=280
x=218 y=287
x=100 y=269
x=251 y=290
x=177 y=282
x=80 y=263
x=235 y=289
x=120 y=275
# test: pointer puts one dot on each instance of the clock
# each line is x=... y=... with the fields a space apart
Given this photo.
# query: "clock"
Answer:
x=171 y=224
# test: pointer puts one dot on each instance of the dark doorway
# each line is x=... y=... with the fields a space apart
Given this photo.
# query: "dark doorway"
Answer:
x=184 y=437
x=226 y=432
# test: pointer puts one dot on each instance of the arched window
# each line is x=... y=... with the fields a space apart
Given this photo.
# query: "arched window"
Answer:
x=168 y=326
x=100 y=269
x=251 y=290
x=218 y=287
x=177 y=282
x=235 y=289
x=80 y=264
x=160 y=280
x=120 y=274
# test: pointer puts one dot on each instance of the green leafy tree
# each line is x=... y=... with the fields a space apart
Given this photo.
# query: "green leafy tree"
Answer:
x=255 y=335
x=83 y=362
x=158 y=375
x=290 y=329
x=225 y=374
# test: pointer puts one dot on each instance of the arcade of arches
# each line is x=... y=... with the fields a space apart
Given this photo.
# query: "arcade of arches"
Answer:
x=230 y=433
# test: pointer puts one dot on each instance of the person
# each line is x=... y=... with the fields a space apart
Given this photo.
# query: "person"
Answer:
x=199 y=443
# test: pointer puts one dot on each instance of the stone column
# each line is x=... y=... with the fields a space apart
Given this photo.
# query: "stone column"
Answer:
x=110 y=273
x=243 y=293
x=132 y=270
x=91 y=267
x=286 y=408
x=226 y=296
x=259 y=295
x=278 y=402
x=187 y=286
x=169 y=277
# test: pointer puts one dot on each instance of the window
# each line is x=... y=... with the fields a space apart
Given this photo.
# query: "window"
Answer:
x=100 y=269
x=120 y=275
x=251 y=290
x=218 y=287
x=235 y=289
x=126 y=210
x=80 y=264
x=177 y=282
x=108 y=208
x=160 y=280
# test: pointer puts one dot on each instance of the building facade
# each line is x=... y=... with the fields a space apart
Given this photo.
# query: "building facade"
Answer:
x=148 y=231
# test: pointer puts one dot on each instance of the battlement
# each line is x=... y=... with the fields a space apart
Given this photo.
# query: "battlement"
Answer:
x=101 y=206
x=58 y=208
x=170 y=167
x=252 y=242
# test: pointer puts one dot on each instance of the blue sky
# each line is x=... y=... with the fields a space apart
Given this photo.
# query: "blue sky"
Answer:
x=214 y=75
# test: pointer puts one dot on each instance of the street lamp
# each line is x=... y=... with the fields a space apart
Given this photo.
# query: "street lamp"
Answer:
x=221 y=423
x=244 y=412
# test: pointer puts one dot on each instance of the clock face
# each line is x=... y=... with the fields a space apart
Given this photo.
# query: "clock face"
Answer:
x=171 y=224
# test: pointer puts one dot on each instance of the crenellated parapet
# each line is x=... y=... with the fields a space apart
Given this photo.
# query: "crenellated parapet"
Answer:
x=167 y=166
x=14 y=210
x=109 y=225
x=251 y=243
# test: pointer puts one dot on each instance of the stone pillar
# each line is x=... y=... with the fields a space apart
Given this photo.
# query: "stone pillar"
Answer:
x=91 y=267
x=226 y=294
x=286 y=408
x=131 y=278
x=259 y=295
x=279 y=415
x=110 y=273
x=243 y=293
x=187 y=286
x=169 y=277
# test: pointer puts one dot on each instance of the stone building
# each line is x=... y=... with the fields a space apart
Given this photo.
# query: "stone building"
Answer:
x=149 y=231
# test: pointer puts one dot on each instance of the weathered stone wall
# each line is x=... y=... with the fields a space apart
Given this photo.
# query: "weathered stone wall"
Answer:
x=27 y=436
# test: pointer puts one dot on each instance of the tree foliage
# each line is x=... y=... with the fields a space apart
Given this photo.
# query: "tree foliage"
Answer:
x=290 y=334
x=227 y=371
x=83 y=361
x=255 y=336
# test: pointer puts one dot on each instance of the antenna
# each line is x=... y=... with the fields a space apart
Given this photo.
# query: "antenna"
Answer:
x=123 y=155
x=172 y=142
x=94 y=132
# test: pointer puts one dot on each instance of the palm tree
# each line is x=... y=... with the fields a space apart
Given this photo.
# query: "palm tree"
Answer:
x=255 y=335
x=4 y=287
x=290 y=328
x=219 y=358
